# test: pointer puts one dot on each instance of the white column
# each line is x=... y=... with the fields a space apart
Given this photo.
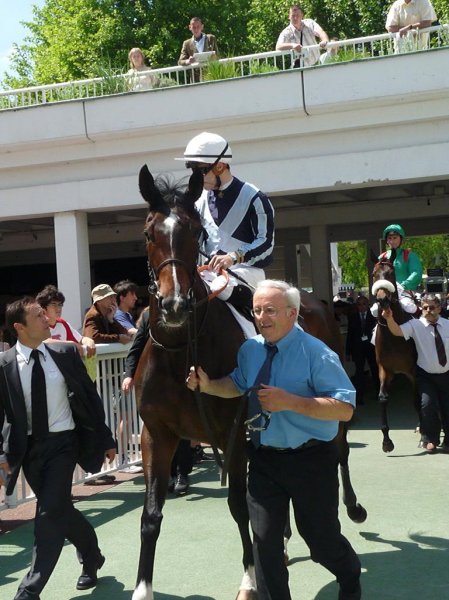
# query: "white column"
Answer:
x=321 y=262
x=73 y=264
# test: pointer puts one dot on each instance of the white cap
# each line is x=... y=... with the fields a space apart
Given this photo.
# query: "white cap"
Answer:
x=207 y=148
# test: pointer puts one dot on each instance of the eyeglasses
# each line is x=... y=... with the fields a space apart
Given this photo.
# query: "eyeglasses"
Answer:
x=56 y=304
x=425 y=307
x=270 y=311
x=204 y=170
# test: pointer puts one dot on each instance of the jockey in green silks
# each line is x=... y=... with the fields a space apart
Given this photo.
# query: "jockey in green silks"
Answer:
x=407 y=266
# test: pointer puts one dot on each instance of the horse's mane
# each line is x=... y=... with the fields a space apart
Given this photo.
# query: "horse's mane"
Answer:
x=175 y=193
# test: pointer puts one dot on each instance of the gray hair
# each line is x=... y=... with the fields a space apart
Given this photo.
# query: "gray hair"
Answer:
x=291 y=293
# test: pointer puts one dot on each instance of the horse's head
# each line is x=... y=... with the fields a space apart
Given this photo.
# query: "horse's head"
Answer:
x=172 y=230
x=384 y=282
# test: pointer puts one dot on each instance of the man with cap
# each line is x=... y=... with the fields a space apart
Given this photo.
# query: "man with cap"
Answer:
x=238 y=220
x=407 y=267
x=99 y=322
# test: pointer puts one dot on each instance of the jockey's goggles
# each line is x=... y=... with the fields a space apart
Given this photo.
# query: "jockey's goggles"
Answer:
x=204 y=170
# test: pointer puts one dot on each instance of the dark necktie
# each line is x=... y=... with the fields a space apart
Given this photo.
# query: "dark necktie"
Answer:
x=442 y=359
x=254 y=407
x=363 y=321
x=39 y=411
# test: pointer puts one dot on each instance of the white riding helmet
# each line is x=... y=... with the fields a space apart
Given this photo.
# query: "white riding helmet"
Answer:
x=207 y=148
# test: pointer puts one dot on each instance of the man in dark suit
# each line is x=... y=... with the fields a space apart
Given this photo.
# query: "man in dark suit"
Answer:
x=55 y=419
x=359 y=347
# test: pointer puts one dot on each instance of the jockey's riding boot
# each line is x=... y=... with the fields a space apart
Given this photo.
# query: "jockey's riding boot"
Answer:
x=242 y=299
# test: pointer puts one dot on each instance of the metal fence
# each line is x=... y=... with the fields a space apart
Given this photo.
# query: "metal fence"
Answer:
x=121 y=417
x=368 y=47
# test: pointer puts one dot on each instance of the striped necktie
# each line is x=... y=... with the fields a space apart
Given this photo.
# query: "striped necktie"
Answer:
x=254 y=407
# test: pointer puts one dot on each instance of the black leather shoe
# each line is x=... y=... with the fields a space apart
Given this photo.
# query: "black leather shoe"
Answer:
x=181 y=485
x=88 y=578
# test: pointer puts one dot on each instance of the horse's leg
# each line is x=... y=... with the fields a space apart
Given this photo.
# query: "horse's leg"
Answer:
x=157 y=453
x=239 y=511
x=355 y=511
x=385 y=379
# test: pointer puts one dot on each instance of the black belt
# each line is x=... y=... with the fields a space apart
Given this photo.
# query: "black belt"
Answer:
x=310 y=444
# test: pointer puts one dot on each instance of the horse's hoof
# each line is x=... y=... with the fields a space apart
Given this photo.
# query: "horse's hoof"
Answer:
x=388 y=446
x=357 y=513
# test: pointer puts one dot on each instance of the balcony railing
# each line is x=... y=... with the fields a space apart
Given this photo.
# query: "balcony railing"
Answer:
x=368 y=47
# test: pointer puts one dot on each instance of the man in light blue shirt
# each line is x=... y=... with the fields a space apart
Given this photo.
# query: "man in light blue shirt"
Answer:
x=126 y=300
x=295 y=458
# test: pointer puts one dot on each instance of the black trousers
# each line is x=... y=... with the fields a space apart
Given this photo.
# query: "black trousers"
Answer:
x=309 y=479
x=433 y=391
x=48 y=467
x=366 y=352
x=182 y=462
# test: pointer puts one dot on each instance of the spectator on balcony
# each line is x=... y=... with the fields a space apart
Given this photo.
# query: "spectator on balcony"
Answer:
x=99 y=322
x=136 y=79
x=126 y=300
x=199 y=42
x=406 y=17
x=302 y=32
x=52 y=300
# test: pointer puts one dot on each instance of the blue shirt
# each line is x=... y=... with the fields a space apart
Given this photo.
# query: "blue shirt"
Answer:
x=304 y=366
x=125 y=319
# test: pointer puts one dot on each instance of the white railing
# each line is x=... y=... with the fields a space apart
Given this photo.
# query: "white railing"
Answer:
x=238 y=66
x=121 y=417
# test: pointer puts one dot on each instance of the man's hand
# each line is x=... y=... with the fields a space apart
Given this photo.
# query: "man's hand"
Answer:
x=109 y=455
x=219 y=262
x=273 y=399
x=197 y=379
x=387 y=313
x=127 y=385
x=89 y=346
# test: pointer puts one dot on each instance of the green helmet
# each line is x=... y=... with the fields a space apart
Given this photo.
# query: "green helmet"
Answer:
x=394 y=228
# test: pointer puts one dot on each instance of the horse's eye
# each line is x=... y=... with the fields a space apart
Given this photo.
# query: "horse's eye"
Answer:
x=148 y=235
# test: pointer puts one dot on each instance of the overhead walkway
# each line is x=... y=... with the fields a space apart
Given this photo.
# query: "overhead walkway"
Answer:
x=403 y=545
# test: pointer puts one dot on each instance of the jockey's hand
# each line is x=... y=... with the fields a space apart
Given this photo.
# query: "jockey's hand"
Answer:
x=219 y=262
x=197 y=379
x=387 y=313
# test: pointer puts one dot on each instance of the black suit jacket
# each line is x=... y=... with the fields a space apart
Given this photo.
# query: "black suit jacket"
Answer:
x=87 y=409
x=355 y=333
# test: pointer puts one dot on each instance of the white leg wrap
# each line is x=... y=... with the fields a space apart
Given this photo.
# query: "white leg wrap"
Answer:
x=144 y=591
x=248 y=580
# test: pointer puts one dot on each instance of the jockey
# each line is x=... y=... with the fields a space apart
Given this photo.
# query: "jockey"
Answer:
x=407 y=266
x=238 y=221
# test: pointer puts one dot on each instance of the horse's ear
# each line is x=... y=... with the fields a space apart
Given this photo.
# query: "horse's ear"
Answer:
x=196 y=184
x=150 y=192
x=373 y=256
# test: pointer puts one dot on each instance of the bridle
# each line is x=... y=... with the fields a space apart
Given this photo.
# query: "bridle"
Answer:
x=153 y=275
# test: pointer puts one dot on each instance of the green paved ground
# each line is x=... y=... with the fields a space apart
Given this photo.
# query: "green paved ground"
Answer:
x=403 y=545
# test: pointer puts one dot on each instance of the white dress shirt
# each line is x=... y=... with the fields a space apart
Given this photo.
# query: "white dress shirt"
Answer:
x=422 y=332
x=59 y=412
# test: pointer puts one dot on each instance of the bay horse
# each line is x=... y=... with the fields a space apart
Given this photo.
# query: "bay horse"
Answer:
x=393 y=354
x=188 y=327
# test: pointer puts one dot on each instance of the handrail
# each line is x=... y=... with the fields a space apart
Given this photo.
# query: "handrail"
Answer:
x=186 y=75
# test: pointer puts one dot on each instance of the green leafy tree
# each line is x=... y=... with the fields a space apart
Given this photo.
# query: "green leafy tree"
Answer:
x=352 y=260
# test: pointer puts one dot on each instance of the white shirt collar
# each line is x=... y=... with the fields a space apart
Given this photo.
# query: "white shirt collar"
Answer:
x=25 y=351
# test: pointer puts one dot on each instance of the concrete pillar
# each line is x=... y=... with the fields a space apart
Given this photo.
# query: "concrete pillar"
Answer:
x=73 y=264
x=321 y=262
x=372 y=245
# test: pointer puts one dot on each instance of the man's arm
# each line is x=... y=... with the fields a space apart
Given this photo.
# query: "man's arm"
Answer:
x=275 y=399
x=117 y=334
x=392 y=325
x=185 y=56
x=223 y=387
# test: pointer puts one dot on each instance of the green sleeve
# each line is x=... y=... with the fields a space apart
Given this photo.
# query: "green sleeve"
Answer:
x=414 y=269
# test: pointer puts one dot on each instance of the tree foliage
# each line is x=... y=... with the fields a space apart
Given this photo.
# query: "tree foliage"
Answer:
x=72 y=39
